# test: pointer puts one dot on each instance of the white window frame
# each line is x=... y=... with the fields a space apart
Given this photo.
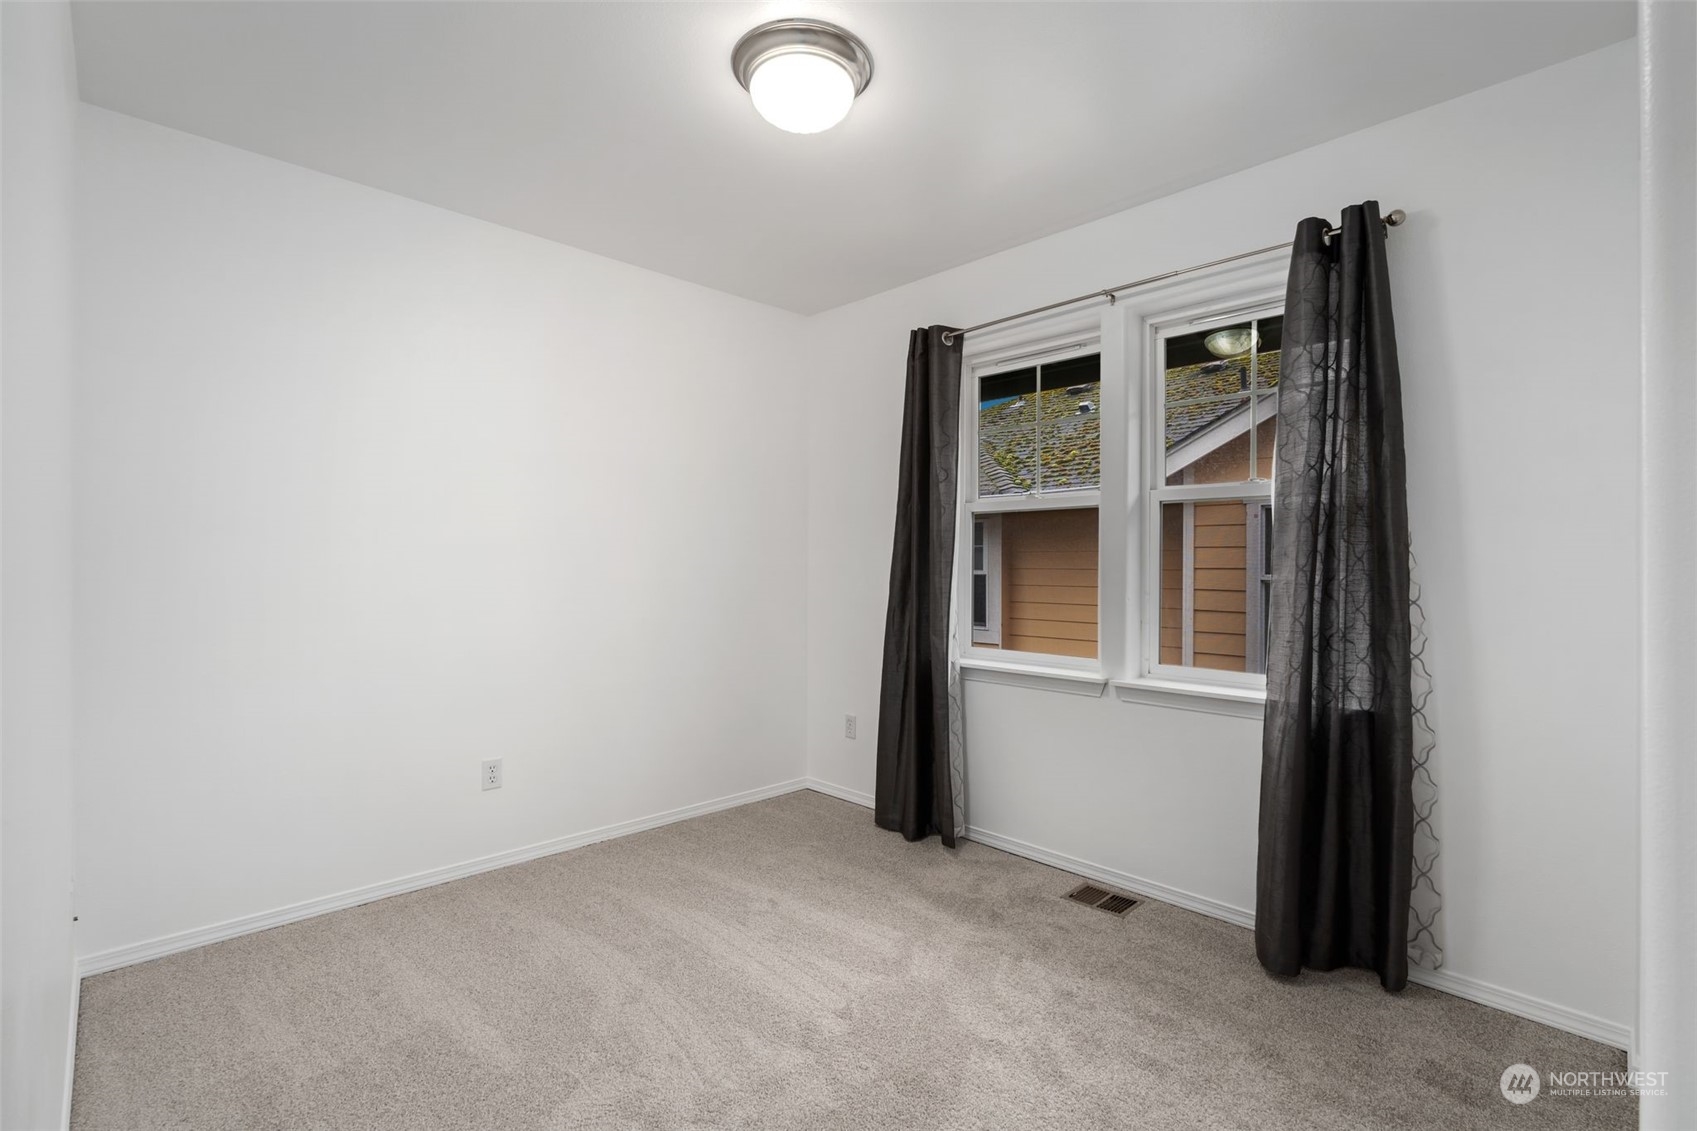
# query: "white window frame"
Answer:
x=1237 y=292
x=1160 y=494
x=1033 y=343
x=992 y=571
x=1132 y=459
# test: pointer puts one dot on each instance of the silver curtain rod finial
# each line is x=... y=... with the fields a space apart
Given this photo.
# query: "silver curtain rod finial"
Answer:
x=1391 y=219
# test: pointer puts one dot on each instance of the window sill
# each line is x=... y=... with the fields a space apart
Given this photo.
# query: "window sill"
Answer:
x=1067 y=680
x=1242 y=702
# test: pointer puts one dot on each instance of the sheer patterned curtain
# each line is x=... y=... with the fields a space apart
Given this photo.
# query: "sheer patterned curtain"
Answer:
x=1425 y=899
x=920 y=736
x=1334 y=870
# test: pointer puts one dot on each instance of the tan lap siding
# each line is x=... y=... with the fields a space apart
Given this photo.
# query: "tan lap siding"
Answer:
x=1049 y=593
x=1221 y=555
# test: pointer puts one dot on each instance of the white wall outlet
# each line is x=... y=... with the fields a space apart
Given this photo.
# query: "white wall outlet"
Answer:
x=850 y=725
x=492 y=774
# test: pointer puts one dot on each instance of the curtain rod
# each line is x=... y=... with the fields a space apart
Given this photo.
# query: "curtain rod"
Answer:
x=1391 y=219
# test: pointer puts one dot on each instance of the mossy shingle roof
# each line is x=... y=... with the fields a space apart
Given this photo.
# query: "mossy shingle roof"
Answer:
x=1059 y=431
x=1189 y=412
x=1054 y=436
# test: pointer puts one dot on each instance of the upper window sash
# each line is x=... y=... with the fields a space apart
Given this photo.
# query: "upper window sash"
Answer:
x=1003 y=354
x=1257 y=401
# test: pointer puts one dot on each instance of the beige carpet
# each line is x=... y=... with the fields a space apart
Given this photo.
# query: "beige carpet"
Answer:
x=786 y=965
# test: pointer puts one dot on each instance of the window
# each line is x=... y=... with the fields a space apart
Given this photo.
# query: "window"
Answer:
x=1210 y=494
x=1116 y=483
x=1034 y=502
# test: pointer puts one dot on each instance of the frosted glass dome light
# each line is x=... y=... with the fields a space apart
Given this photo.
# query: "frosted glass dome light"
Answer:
x=802 y=75
x=802 y=93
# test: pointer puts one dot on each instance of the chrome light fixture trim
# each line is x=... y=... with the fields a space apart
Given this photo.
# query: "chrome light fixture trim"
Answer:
x=802 y=36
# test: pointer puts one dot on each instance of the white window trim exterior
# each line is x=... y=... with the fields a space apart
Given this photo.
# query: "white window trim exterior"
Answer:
x=1125 y=335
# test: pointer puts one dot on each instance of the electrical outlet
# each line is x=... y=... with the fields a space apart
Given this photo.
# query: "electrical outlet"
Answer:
x=850 y=724
x=492 y=774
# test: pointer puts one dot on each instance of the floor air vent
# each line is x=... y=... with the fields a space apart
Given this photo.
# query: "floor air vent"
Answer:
x=1102 y=899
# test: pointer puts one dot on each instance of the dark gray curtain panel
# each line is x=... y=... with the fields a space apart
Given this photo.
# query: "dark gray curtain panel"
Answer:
x=1333 y=876
x=919 y=789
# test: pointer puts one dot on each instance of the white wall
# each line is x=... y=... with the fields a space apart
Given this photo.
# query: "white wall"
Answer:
x=37 y=133
x=1516 y=301
x=368 y=492
x=1667 y=1025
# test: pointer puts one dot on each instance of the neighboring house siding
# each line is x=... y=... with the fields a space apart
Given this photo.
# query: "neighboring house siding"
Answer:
x=1220 y=559
x=1049 y=594
x=1219 y=595
x=1220 y=577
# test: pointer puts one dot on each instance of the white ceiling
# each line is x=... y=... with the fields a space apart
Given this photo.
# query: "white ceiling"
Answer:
x=618 y=128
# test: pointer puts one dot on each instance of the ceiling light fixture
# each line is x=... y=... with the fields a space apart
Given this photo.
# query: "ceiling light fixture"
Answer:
x=803 y=75
x=1233 y=342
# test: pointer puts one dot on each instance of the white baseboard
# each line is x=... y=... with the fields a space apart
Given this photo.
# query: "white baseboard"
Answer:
x=1136 y=885
x=247 y=924
x=1544 y=1012
x=1610 y=1033
x=71 y=1048
x=840 y=792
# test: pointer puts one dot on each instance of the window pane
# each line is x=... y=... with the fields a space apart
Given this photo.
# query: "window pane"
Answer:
x=1221 y=402
x=1040 y=429
x=1049 y=574
x=980 y=601
x=1209 y=596
x=1007 y=433
x=1070 y=432
x=1268 y=352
